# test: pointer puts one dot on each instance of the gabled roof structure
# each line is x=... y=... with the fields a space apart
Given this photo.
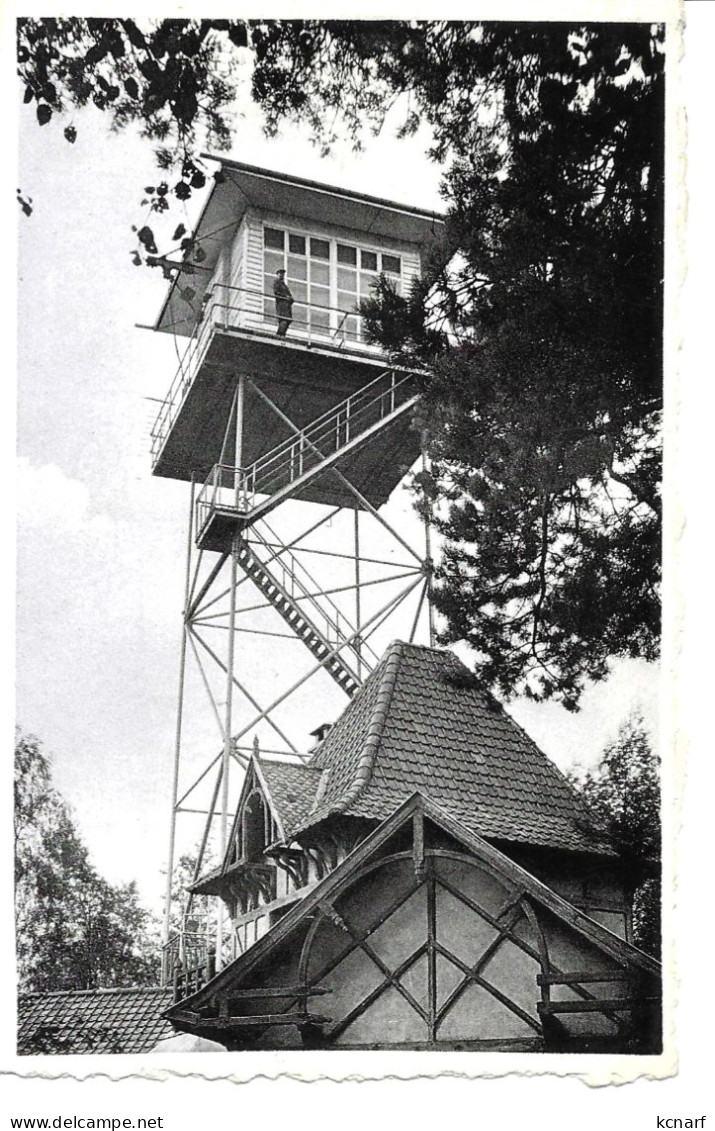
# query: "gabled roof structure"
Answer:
x=267 y=975
x=422 y=723
x=93 y=1021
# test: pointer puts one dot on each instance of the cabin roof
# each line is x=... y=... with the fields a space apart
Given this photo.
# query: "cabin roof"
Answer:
x=422 y=723
x=92 y=1021
x=331 y=204
x=292 y=789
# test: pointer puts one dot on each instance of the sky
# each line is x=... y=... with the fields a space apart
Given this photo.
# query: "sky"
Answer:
x=100 y=541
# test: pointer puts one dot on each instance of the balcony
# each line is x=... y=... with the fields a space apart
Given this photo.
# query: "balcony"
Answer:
x=249 y=315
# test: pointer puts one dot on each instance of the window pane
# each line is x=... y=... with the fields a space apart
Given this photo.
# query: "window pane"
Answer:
x=320 y=296
x=320 y=273
x=368 y=260
x=300 y=315
x=273 y=261
x=346 y=301
x=319 y=249
x=319 y=319
x=347 y=254
x=392 y=263
x=299 y=290
x=297 y=268
x=273 y=237
x=296 y=244
x=367 y=282
x=347 y=280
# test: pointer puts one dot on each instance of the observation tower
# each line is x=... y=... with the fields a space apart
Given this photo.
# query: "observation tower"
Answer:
x=292 y=444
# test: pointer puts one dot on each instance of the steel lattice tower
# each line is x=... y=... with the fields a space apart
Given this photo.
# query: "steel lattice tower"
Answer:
x=294 y=577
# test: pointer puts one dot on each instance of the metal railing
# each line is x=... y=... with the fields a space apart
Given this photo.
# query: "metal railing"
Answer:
x=231 y=488
x=241 y=308
x=187 y=962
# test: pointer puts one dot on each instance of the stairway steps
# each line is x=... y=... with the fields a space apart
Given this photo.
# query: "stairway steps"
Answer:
x=296 y=619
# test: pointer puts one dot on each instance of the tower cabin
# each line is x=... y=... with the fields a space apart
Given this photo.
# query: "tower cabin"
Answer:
x=427 y=880
x=255 y=415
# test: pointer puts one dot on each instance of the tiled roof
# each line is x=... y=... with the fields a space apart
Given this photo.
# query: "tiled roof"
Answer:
x=292 y=789
x=92 y=1021
x=421 y=723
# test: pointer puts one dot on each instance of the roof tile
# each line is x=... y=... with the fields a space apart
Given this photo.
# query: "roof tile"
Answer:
x=92 y=1021
x=435 y=731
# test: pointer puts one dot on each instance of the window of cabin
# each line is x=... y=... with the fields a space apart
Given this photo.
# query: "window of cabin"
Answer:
x=326 y=278
x=254 y=828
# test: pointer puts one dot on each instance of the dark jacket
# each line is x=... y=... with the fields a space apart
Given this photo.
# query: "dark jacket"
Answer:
x=284 y=299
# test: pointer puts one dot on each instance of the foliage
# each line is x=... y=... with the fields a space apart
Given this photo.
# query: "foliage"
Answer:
x=538 y=325
x=75 y=931
x=623 y=794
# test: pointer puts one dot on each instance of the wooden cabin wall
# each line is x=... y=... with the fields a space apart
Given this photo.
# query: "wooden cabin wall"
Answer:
x=597 y=887
x=238 y=261
x=446 y=955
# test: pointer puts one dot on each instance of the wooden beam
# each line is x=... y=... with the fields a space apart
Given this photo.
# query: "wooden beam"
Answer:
x=582 y=977
x=279 y=991
x=186 y=1017
x=609 y=1005
x=418 y=843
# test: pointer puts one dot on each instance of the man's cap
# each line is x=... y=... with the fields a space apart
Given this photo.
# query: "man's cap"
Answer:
x=280 y=271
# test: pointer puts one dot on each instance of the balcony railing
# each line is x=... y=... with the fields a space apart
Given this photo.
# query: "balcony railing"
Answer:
x=240 y=308
x=187 y=962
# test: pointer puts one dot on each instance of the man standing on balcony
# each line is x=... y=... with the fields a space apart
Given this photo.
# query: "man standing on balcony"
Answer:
x=284 y=303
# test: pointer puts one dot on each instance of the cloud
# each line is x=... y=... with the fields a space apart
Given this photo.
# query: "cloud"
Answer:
x=46 y=496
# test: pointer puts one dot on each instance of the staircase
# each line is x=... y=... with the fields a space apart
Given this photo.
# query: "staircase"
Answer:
x=341 y=429
x=293 y=614
x=248 y=494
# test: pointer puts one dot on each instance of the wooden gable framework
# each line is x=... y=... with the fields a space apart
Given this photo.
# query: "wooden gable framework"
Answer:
x=427 y=936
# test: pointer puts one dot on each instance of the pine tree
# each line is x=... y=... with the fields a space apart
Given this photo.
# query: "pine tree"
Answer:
x=623 y=794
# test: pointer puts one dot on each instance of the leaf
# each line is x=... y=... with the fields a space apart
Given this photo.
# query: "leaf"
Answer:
x=188 y=294
x=182 y=190
x=136 y=259
x=44 y=113
x=132 y=87
x=198 y=180
x=199 y=255
x=70 y=134
x=238 y=35
x=133 y=34
x=180 y=231
x=146 y=237
x=28 y=96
